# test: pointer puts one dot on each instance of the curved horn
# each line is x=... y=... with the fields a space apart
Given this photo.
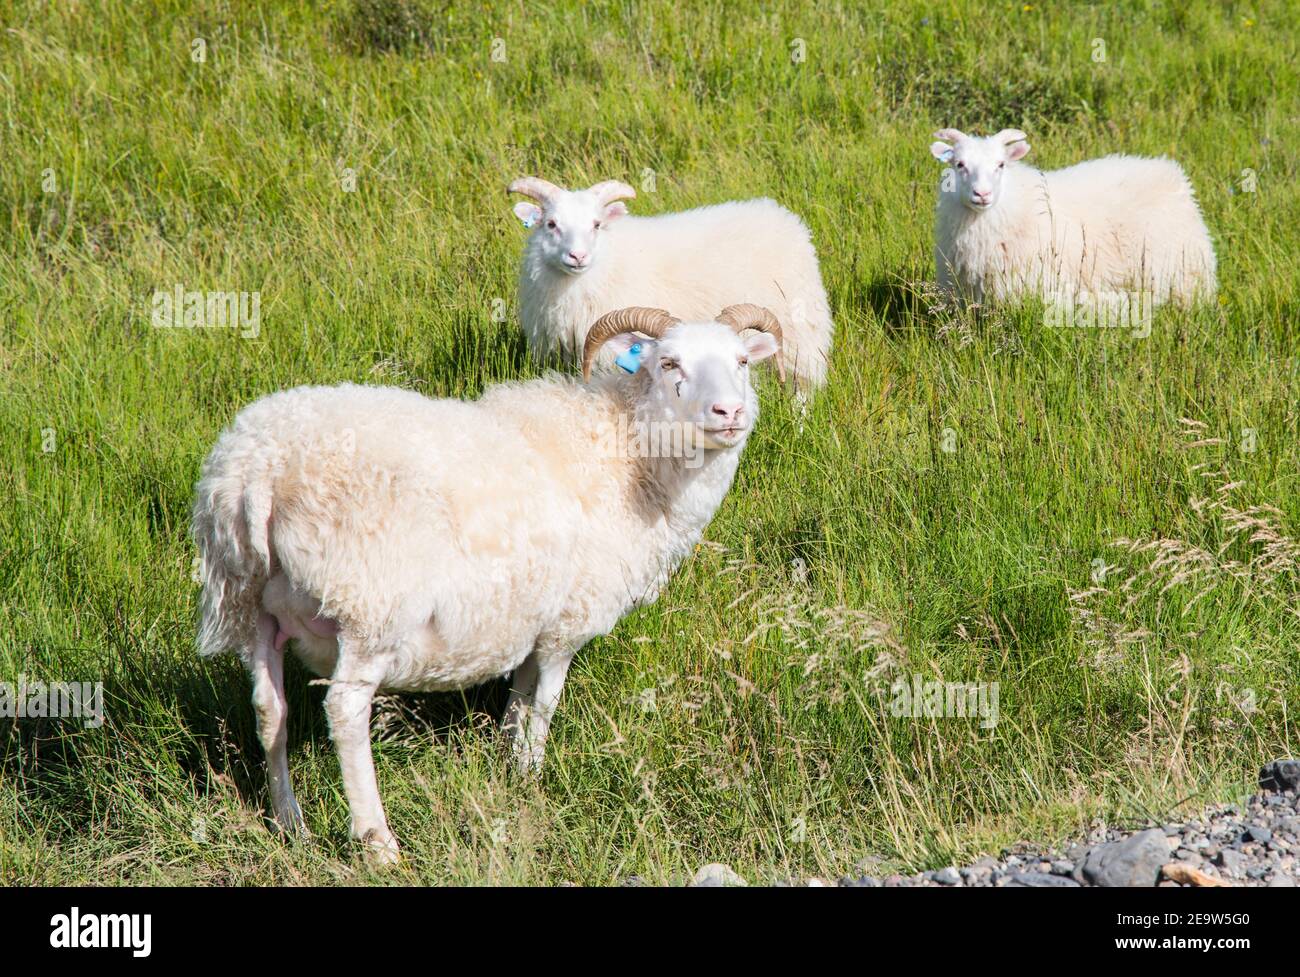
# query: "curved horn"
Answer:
x=950 y=135
x=748 y=316
x=610 y=190
x=1008 y=136
x=635 y=318
x=535 y=187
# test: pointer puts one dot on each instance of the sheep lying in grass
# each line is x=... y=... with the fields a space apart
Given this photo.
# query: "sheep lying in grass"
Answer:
x=586 y=256
x=1106 y=230
x=413 y=544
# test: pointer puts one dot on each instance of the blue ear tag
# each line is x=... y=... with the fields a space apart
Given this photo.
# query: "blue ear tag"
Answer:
x=529 y=221
x=630 y=361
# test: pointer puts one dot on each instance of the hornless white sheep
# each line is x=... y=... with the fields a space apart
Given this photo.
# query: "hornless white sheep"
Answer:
x=1106 y=230
x=413 y=544
x=586 y=256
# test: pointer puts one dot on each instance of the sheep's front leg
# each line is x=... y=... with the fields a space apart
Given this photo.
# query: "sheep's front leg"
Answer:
x=534 y=693
x=266 y=667
x=347 y=704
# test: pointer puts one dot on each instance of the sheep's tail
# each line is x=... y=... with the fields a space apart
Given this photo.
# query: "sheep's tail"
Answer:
x=231 y=526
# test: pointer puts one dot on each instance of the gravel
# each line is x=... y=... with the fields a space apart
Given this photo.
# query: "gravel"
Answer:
x=1251 y=844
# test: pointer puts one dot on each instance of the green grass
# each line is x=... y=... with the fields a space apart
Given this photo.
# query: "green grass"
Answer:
x=853 y=549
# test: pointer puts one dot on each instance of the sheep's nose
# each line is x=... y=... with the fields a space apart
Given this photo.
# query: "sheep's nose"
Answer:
x=729 y=410
x=578 y=257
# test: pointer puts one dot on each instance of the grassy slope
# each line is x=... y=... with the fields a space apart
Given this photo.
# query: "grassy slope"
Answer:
x=852 y=545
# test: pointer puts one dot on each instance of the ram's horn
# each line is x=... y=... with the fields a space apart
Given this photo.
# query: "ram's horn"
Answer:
x=1008 y=136
x=950 y=135
x=535 y=187
x=749 y=316
x=635 y=318
x=611 y=190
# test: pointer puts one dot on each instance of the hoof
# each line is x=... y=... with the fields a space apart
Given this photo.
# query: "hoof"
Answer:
x=290 y=824
x=381 y=847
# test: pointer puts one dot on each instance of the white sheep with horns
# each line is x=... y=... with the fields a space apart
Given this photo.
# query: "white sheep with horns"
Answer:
x=1104 y=230
x=586 y=256
x=410 y=544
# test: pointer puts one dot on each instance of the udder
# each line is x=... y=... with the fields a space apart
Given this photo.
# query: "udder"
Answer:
x=298 y=616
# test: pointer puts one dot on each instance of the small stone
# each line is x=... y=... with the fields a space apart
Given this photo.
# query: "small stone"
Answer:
x=1232 y=862
x=1256 y=872
x=1281 y=881
x=861 y=882
x=947 y=876
x=1135 y=861
x=1258 y=834
x=1037 y=880
x=1062 y=867
x=716 y=875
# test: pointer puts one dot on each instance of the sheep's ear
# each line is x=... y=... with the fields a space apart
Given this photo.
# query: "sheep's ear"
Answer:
x=624 y=341
x=941 y=151
x=530 y=214
x=759 y=346
x=631 y=349
x=1017 y=149
x=615 y=210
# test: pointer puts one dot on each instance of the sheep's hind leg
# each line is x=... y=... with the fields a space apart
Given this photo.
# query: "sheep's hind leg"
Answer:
x=534 y=694
x=266 y=667
x=523 y=686
x=347 y=704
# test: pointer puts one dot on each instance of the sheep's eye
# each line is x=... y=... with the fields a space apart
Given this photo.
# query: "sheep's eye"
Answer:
x=596 y=226
x=743 y=361
x=961 y=166
x=551 y=224
x=1000 y=165
x=668 y=365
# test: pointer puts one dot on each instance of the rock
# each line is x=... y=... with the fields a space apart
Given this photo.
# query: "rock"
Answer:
x=1258 y=834
x=1280 y=775
x=862 y=882
x=1038 y=880
x=1232 y=862
x=1133 y=862
x=1281 y=881
x=1062 y=866
x=716 y=875
x=948 y=876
